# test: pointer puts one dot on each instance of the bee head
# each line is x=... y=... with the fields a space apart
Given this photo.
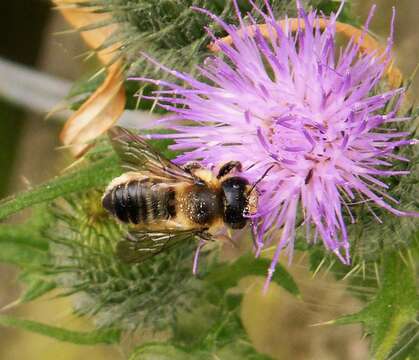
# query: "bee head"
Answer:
x=235 y=201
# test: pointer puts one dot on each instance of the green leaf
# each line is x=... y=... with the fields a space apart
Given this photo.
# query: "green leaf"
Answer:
x=18 y=247
x=103 y=336
x=394 y=307
x=25 y=247
x=408 y=344
x=240 y=349
x=26 y=235
x=329 y=6
x=159 y=351
x=228 y=275
x=195 y=323
x=95 y=174
x=36 y=288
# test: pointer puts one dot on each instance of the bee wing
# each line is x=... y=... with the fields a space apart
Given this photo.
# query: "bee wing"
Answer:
x=141 y=245
x=138 y=155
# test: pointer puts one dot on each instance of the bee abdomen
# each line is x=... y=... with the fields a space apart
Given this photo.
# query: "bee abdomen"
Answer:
x=140 y=202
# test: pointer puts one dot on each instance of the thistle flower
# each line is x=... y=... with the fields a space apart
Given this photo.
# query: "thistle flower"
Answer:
x=287 y=106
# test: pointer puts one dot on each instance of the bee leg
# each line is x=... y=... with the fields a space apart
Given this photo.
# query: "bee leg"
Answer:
x=215 y=235
x=200 y=174
x=201 y=244
x=228 y=167
x=194 y=168
x=257 y=244
x=229 y=238
x=190 y=166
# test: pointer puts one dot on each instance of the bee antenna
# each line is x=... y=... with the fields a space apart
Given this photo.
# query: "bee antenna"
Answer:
x=260 y=179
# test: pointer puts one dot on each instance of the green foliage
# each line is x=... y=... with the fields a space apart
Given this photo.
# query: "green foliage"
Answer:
x=407 y=347
x=240 y=350
x=98 y=168
x=22 y=246
x=329 y=6
x=169 y=31
x=93 y=175
x=395 y=306
x=228 y=275
x=159 y=351
x=103 y=336
x=214 y=329
x=370 y=237
x=83 y=241
x=35 y=288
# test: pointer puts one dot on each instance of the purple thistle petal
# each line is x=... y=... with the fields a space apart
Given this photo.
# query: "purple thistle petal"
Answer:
x=287 y=99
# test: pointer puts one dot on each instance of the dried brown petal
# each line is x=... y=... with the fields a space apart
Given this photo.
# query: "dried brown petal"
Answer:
x=97 y=114
x=107 y=103
x=79 y=17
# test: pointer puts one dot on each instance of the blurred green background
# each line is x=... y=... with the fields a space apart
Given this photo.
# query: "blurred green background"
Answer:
x=278 y=324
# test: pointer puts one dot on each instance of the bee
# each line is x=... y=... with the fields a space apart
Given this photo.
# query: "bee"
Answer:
x=166 y=204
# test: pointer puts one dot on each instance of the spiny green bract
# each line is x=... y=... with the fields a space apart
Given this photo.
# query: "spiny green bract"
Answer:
x=173 y=33
x=82 y=247
x=375 y=230
x=170 y=31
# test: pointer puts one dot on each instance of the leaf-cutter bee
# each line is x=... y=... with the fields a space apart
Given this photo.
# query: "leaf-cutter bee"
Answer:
x=166 y=204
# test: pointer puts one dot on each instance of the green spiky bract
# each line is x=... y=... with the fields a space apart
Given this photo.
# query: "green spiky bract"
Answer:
x=146 y=295
x=171 y=32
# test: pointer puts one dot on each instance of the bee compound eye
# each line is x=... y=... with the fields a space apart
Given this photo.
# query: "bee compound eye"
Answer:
x=235 y=202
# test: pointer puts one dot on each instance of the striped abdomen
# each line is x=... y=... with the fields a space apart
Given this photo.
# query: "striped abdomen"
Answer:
x=140 y=202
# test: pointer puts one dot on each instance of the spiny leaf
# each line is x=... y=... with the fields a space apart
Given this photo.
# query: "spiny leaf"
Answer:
x=24 y=235
x=145 y=296
x=103 y=336
x=166 y=351
x=21 y=255
x=395 y=306
x=159 y=351
x=36 y=288
x=93 y=175
x=408 y=345
x=240 y=350
x=228 y=275
x=22 y=247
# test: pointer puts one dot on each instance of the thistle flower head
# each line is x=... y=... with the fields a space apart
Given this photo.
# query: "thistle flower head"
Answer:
x=284 y=103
